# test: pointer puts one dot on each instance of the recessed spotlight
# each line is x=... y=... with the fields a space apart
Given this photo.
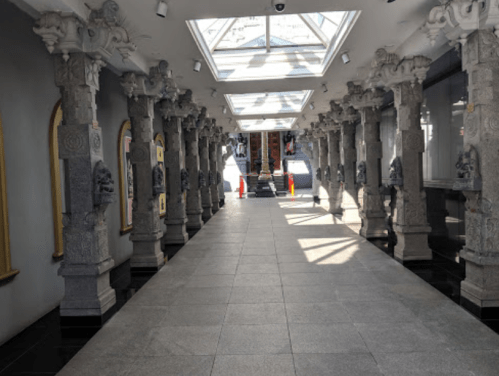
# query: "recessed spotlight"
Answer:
x=214 y=93
x=324 y=88
x=162 y=9
x=264 y=118
x=345 y=58
x=311 y=105
x=197 y=66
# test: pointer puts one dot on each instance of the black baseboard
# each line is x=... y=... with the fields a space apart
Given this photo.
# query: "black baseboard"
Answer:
x=484 y=313
x=87 y=321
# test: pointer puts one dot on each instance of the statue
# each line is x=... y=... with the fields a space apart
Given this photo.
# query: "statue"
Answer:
x=184 y=180
x=211 y=178
x=201 y=179
x=129 y=178
x=107 y=13
x=318 y=174
x=103 y=185
x=340 y=173
x=396 y=177
x=242 y=143
x=289 y=140
x=219 y=178
x=158 y=180
x=468 y=171
x=327 y=173
x=361 y=172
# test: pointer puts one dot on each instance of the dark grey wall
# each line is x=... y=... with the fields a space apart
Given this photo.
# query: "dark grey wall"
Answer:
x=27 y=97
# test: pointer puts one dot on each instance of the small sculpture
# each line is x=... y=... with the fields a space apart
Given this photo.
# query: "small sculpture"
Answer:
x=327 y=174
x=361 y=172
x=130 y=178
x=340 y=173
x=158 y=180
x=219 y=178
x=103 y=185
x=211 y=178
x=184 y=180
x=242 y=143
x=201 y=179
x=468 y=171
x=396 y=177
x=107 y=13
x=318 y=174
x=289 y=140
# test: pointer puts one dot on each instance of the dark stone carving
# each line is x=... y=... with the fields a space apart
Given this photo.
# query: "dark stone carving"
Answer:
x=103 y=185
x=290 y=142
x=108 y=13
x=361 y=172
x=201 y=179
x=340 y=173
x=327 y=174
x=211 y=178
x=396 y=177
x=184 y=180
x=468 y=172
x=318 y=174
x=242 y=145
x=219 y=177
x=158 y=180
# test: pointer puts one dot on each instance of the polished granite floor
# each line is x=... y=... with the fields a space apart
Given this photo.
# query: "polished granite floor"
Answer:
x=278 y=287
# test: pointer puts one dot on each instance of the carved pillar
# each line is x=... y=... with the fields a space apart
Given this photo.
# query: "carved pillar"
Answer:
x=405 y=79
x=220 y=164
x=372 y=210
x=88 y=191
x=305 y=139
x=316 y=183
x=196 y=179
x=323 y=167
x=348 y=153
x=334 y=159
x=204 y=154
x=215 y=198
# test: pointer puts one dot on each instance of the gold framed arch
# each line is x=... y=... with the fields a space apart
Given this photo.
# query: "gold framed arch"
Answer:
x=55 y=175
x=159 y=141
x=125 y=177
x=6 y=271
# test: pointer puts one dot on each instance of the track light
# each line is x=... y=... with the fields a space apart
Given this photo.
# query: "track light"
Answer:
x=324 y=88
x=214 y=93
x=345 y=58
x=162 y=9
x=264 y=118
x=311 y=105
x=197 y=66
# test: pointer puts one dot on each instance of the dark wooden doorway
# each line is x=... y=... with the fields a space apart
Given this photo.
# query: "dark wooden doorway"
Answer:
x=274 y=146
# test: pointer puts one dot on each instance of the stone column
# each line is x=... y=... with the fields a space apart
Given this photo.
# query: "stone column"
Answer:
x=323 y=166
x=215 y=199
x=220 y=175
x=334 y=159
x=204 y=153
x=305 y=139
x=316 y=175
x=372 y=210
x=88 y=190
x=405 y=79
x=143 y=92
x=265 y=173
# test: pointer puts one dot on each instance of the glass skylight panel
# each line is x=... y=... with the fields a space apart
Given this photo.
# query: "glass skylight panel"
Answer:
x=291 y=30
x=260 y=125
x=268 y=103
x=212 y=27
x=244 y=31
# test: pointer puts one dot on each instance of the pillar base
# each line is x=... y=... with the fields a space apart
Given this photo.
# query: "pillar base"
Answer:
x=207 y=214
x=147 y=254
x=373 y=227
x=194 y=221
x=351 y=215
x=87 y=289
x=176 y=233
x=412 y=243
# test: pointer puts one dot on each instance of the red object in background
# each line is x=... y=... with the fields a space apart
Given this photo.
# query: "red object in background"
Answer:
x=291 y=184
x=241 y=186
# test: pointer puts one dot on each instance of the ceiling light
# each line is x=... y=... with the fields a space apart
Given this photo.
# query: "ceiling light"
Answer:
x=311 y=105
x=345 y=57
x=197 y=66
x=324 y=88
x=162 y=9
x=214 y=93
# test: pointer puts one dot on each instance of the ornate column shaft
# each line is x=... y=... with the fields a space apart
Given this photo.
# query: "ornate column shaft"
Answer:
x=405 y=79
x=323 y=169
x=220 y=175
x=265 y=173
x=372 y=210
x=316 y=183
x=305 y=139
x=204 y=154
x=88 y=191
x=348 y=153
x=215 y=198
x=197 y=179
x=334 y=159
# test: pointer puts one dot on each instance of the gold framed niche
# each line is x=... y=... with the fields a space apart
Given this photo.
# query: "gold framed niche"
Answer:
x=6 y=271
x=125 y=177
x=55 y=176
x=159 y=141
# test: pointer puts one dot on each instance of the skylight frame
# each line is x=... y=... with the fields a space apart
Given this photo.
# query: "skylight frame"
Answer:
x=348 y=22
x=291 y=126
x=307 y=94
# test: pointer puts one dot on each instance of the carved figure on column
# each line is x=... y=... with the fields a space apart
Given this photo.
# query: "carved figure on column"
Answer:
x=340 y=173
x=289 y=141
x=158 y=176
x=212 y=178
x=184 y=180
x=361 y=172
x=242 y=144
x=396 y=177
x=202 y=179
x=327 y=173
x=468 y=171
x=103 y=185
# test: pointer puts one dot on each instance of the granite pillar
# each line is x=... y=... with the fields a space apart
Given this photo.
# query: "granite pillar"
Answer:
x=214 y=177
x=88 y=191
x=334 y=159
x=197 y=179
x=316 y=175
x=204 y=154
x=324 y=171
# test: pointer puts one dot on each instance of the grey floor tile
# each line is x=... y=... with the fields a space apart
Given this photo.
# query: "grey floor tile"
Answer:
x=316 y=313
x=257 y=280
x=325 y=338
x=309 y=294
x=203 y=295
x=336 y=365
x=118 y=341
x=307 y=279
x=379 y=311
x=480 y=362
x=421 y=291
x=364 y=293
x=465 y=335
x=215 y=269
x=183 y=340
x=255 y=314
x=300 y=268
x=258 y=269
x=254 y=365
x=256 y=294
x=254 y=339
x=188 y=315
x=258 y=252
x=153 y=297
x=437 y=362
x=173 y=366
x=437 y=310
x=210 y=281
x=398 y=337
x=90 y=365
x=247 y=260
x=138 y=316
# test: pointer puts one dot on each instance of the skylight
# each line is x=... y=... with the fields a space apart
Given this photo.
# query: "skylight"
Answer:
x=268 y=103
x=272 y=47
x=260 y=125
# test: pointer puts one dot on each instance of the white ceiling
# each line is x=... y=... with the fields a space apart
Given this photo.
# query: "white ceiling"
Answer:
x=395 y=26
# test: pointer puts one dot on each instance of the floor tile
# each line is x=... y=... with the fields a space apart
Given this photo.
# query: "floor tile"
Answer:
x=203 y=295
x=379 y=311
x=309 y=294
x=173 y=366
x=254 y=339
x=316 y=313
x=256 y=294
x=254 y=365
x=255 y=314
x=183 y=340
x=258 y=269
x=189 y=315
x=336 y=365
x=257 y=280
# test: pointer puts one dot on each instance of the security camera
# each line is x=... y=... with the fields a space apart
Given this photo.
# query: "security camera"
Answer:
x=279 y=5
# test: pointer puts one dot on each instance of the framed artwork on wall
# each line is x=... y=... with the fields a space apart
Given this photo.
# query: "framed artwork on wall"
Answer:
x=126 y=177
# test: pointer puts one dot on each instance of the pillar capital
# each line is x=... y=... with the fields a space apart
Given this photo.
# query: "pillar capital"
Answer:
x=360 y=98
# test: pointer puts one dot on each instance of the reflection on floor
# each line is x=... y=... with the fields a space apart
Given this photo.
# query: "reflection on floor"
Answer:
x=272 y=287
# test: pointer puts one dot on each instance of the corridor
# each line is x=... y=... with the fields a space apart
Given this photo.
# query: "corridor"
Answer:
x=279 y=287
